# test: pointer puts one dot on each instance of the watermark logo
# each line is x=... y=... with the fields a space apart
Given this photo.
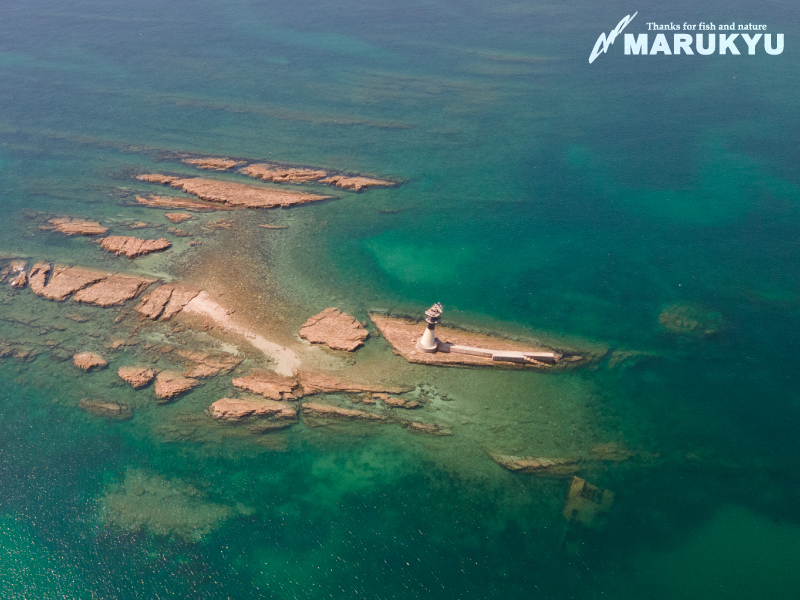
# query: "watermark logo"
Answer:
x=704 y=43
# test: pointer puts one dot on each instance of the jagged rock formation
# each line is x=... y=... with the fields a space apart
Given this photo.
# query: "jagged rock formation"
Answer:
x=74 y=226
x=176 y=202
x=335 y=329
x=165 y=302
x=113 y=291
x=278 y=174
x=64 y=280
x=132 y=247
x=356 y=183
x=270 y=385
x=212 y=164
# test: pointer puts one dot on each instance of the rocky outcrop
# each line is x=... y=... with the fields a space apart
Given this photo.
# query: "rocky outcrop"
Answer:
x=165 y=302
x=394 y=402
x=335 y=329
x=178 y=217
x=109 y=410
x=181 y=203
x=325 y=384
x=328 y=411
x=690 y=320
x=170 y=384
x=15 y=273
x=238 y=195
x=86 y=361
x=132 y=247
x=356 y=183
x=202 y=364
x=212 y=164
x=74 y=226
x=113 y=291
x=236 y=410
x=426 y=428
x=270 y=385
x=556 y=467
x=137 y=377
x=64 y=280
x=278 y=174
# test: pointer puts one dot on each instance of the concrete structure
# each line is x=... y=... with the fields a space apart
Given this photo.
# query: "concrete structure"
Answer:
x=429 y=344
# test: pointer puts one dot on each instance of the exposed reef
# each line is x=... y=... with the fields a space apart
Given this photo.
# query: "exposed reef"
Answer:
x=133 y=247
x=109 y=410
x=236 y=409
x=356 y=183
x=212 y=164
x=137 y=377
x=86 y=361
x=269 y=385
x=165 y=301
x=178 y=217
x=170 y=384
x=175 y=202
x=114 y=290
x=74 y=226
x=278 y=174
x=327 y=384
x=238 y=195
x=64 y=280
x=335 y=329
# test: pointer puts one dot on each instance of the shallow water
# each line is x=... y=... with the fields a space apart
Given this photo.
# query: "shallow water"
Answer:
x=541 y=197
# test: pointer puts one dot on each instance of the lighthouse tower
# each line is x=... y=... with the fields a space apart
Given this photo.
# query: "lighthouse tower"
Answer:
x=428 y=341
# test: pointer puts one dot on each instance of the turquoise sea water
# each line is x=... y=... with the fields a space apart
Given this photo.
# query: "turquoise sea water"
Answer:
x=541 y=196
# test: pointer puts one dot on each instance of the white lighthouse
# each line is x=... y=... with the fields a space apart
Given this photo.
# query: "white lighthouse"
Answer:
x=428 y=341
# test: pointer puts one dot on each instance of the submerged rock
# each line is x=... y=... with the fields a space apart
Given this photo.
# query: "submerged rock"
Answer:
x=269 y=384
x=394 y=402
x=426 y=428
x=133 y=247
x=558 y=467
x=176 y=202
x=165 y=302
x=87 y=361
x=178 y=217
x=109 y=410
x=170 y=384
x=356 y=183
x=316 y=409
x=235 y=409
x=277 y=174
x=325 y=384
x=137 y=377
x=64 y=280
x=113 y=291
x=335 y=329
x=212 y=164
x=234 y=194
x=74 y=226
x=690 y=320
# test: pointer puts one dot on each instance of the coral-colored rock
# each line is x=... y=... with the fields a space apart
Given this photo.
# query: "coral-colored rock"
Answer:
x=278 y=174
x=182 y=203
x=19 y=281
x=166 y=301
x=132 y=247
x=170 y=384
x=316 y=409
x=235 y=194
x=113 y=291
x=335 y=329
x=109 y=410
x=268 y=384
x=87 y=361
x=235 y=409
x=64 y=280
x=74 y=226
x=137 y=377
x=325 y=384
x=212 y=164
x=394 y=402
x=15 y=273
x=179 y=217
x=558 y=467
x=157 y=178
x=356 y=183
x=204 y=364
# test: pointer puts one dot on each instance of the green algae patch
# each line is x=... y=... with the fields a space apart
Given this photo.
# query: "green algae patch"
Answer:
x=147 y=502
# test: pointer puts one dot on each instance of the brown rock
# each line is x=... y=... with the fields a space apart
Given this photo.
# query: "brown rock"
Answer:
x=166 y=301
x=335 y=329
x=690 y=320
x=87 y=361
x=316 y=409
x=269 y=226
x=19 y=281
x=234 y=409
x=394 y=402
x=64 y=280
x=356 y=183
x=235 y=194
x=132 y=247
x=203 y=364
x=113 y=291
x=268 y=384
x=175 y=202
x=170 y=384
x=178 y=217
x=557 y=467
x=157 y=178
x=427 y=428
x=325 y=384
x=137 y=377
x=278 y=174
x=177 y=232
x=74 y=226
x=212 y=164
x=109 y=410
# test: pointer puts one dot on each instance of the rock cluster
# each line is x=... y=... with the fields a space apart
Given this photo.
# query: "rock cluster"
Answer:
x=74 y=226
x=165 y=302
x=133 y=247
x=86 y=361
x=335 y=329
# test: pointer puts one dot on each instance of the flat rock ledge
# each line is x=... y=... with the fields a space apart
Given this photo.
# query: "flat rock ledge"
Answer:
x=235 y=410
x=86 y=361
x=59 y=282
x=176 y=202
x=113 y=291
x=74 y=226
x=170 y=384
x=328 y=411
x=335 y=329
x=326 y=384
x=165 y=302
x=178 y=217
x=212 y=164
x=133 y=247
x=269 y=385
x=237 y=195
x=278 y=174
x=108 y=410
x=554 y=467
x=137 y=377
x=402 y=335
